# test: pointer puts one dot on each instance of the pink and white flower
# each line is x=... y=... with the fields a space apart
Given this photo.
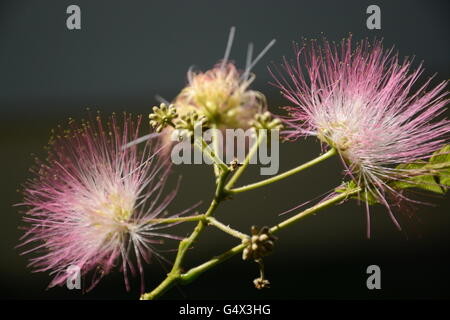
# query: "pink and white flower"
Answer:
x=92 y=201
x=363 y=102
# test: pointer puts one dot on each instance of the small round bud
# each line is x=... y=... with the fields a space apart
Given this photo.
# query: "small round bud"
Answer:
x=234 y=165
x=261 y=283
x=260 y=244
x=264 y=121
x=162 y=116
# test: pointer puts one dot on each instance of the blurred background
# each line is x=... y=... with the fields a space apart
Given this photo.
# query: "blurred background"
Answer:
x=128 y=51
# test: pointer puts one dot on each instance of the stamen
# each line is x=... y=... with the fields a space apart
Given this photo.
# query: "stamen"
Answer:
x=262 y=53
x=141 y=139
x=228 y=49
x=161 y=99
x=248 y=61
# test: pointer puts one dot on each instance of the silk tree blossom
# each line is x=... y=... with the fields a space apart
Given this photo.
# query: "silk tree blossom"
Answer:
x=222 y=94
x=92 y=200
x=361 y=101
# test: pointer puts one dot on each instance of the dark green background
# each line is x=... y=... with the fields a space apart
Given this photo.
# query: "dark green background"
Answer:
x=128 y=51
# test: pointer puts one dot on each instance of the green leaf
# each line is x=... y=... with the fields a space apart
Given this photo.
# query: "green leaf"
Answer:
x=444 y=178
x=424 y=182
x=420 y=181
x=441 y=156
x=441 y=161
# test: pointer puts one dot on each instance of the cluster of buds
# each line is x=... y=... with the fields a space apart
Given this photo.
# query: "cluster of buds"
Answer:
x=261 y=283
x=266 y=122
x=188 y=123
x=234 y=165
x=222 y=95
x=162 y=116
x=167 y=116
x=260 y=244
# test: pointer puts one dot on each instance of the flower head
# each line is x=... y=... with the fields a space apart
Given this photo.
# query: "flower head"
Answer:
x=222 y=95
x=361 y=101
x=92 y=201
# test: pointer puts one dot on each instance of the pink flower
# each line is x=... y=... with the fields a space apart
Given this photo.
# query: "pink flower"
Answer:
x=222 y=95
x=92 y=200
x=361 y=101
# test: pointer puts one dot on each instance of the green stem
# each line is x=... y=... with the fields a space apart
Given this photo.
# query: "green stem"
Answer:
x=201 y=144
x=175 y=274
x=193 y=273
x=215 y=147
x=178 y=219
x=322 y=205
x=246 y=162
x=168 y=283
x=219 y=225
x=286 y=174
x=186 y=243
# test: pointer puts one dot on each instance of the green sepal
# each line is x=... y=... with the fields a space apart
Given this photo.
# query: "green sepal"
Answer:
x=362 y=195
